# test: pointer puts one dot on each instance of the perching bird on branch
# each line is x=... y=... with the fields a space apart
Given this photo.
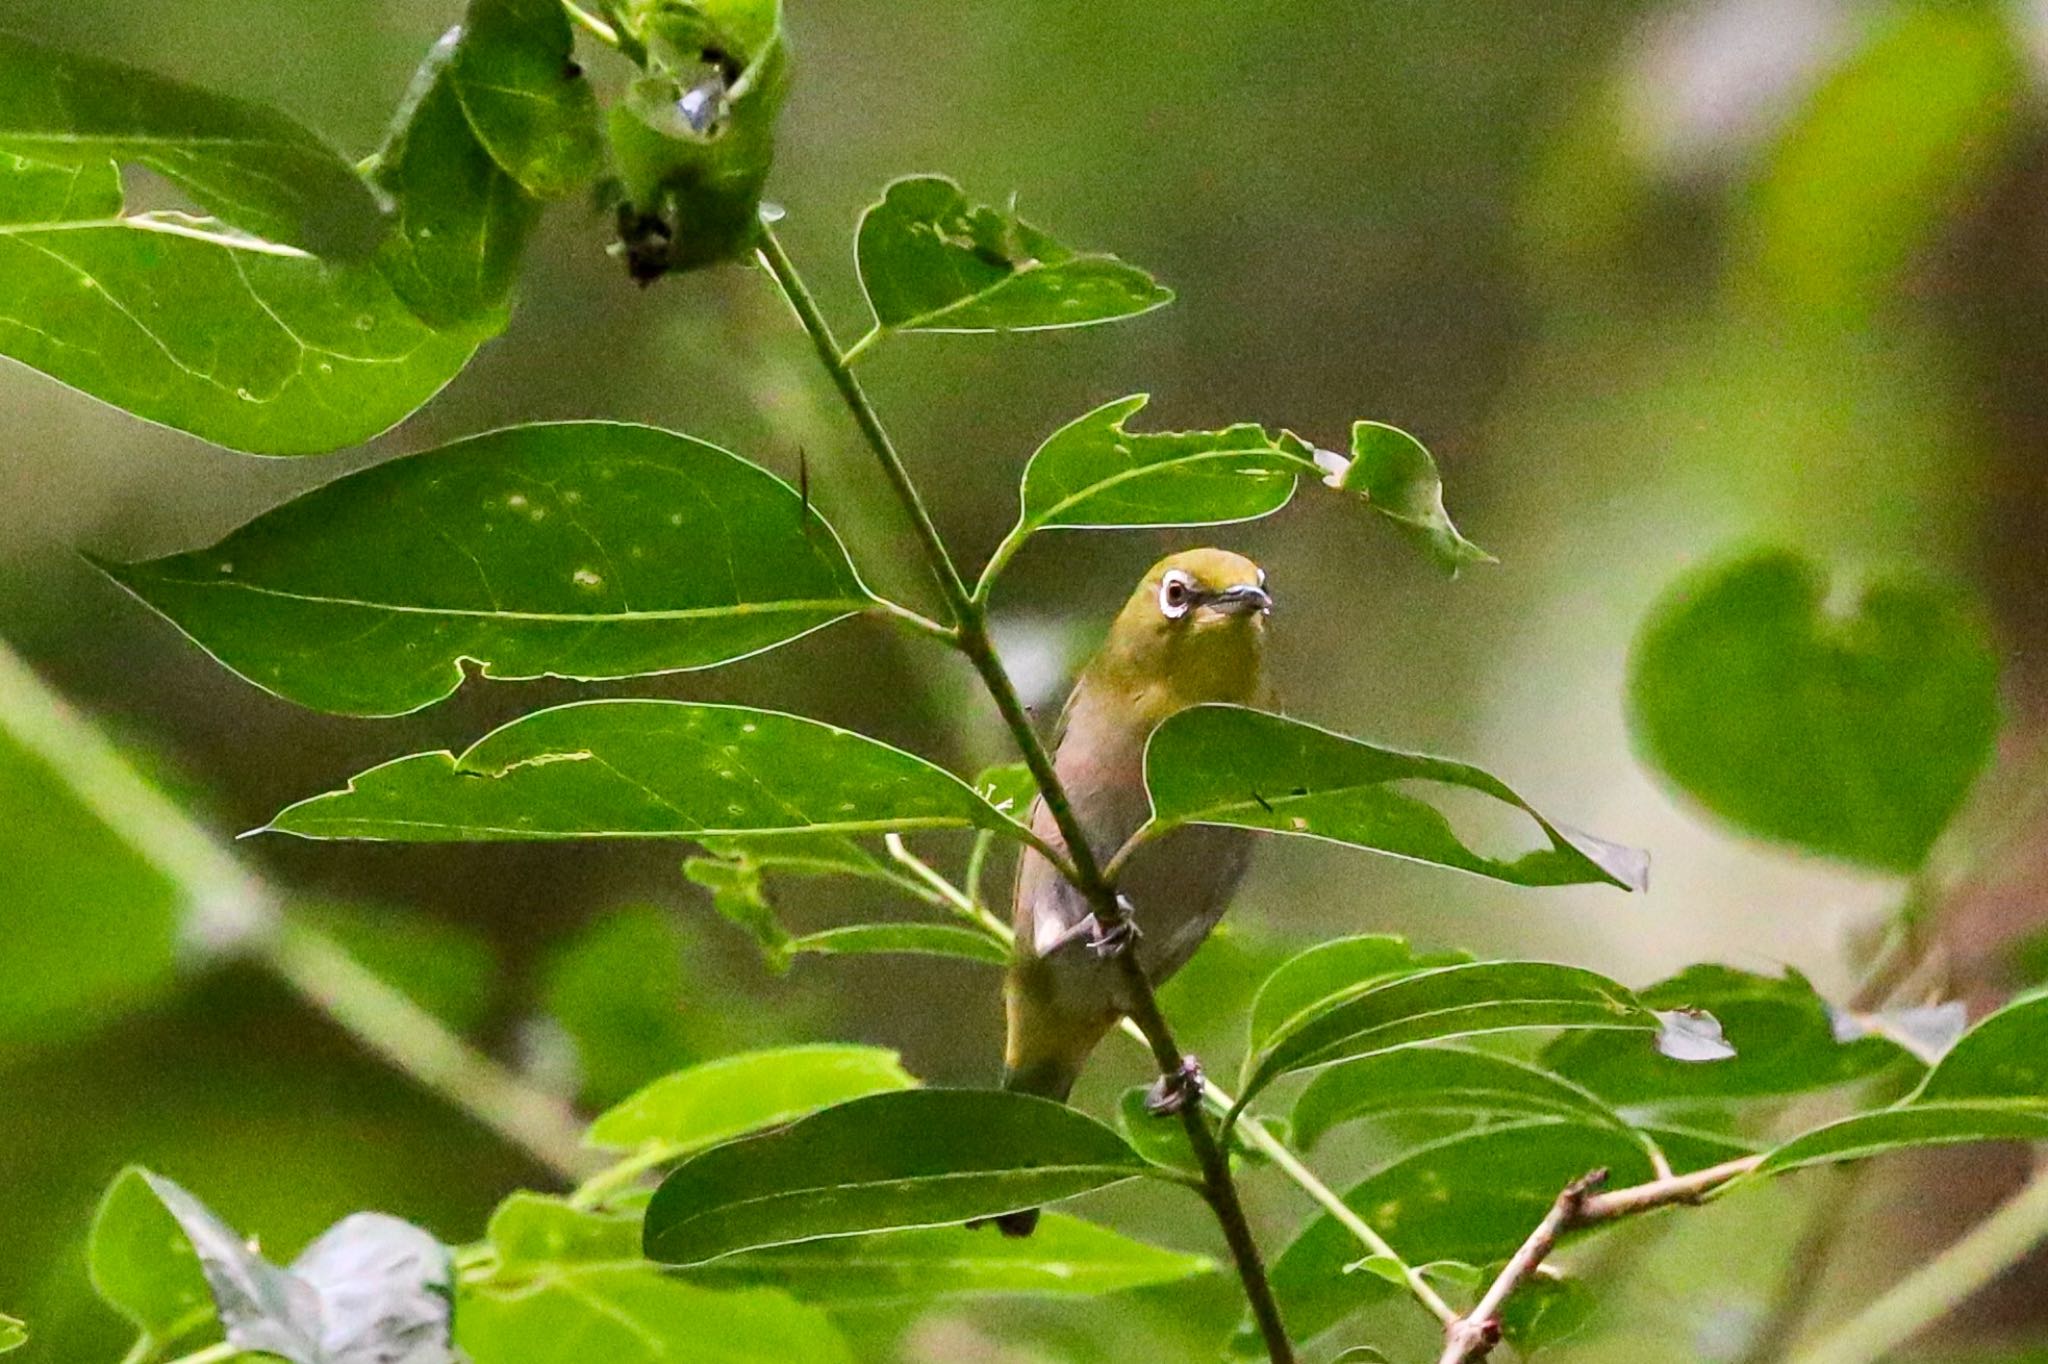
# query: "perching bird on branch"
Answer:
x=1193 y=632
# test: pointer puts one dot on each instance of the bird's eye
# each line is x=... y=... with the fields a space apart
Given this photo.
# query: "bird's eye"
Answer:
x=1175 y=595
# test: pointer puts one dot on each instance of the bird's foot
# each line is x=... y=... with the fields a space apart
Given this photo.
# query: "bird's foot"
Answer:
x=1117 y=939
x=1171 y=1094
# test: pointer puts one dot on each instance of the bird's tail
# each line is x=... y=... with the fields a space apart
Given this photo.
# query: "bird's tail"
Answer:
x=1049 y=1079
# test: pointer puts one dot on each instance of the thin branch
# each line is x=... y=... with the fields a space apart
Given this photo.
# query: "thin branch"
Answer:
x=229 y=910
x=1942 y=1284
x=915 y=620
x=955 y=898
x=972 y=639
x=596 y=27
x=1474 y=1335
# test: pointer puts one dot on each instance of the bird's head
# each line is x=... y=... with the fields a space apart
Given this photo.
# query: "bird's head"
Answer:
x=1193 y=631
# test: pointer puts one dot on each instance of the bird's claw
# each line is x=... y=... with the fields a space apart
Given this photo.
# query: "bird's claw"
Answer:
x=1115 y=940
x=1171 y=1094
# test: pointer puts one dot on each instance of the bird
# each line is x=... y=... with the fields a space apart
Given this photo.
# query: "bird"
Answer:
x=1194 y=631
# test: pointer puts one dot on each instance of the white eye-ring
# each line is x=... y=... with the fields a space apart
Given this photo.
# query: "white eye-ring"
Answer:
x=1176 y=594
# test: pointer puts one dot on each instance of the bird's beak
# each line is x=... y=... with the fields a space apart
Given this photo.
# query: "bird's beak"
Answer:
x=1242 y=600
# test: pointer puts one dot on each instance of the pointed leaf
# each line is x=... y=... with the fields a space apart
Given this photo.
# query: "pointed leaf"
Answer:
x=527 y=99
x=637 y=1315
x=1245 y=768
x=1312 y=978
x=645 y=769
x=142 y=1264
x=261 y=1307
x=929 y=940
x=460 y=223
x=1852 y=731
x=912 y=1159
x=1441 y=1080
x=270 y=331
x=733 y=1095
x=575 y=549
x=13 y=1333
x=930 y=261
x=1445 y=1003
x=1393 y=472
x=1784 y=1041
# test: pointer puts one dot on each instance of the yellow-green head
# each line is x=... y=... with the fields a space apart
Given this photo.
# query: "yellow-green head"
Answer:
x=1194 y=631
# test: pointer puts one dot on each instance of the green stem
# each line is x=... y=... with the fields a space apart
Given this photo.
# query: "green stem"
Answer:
x=229 y=910
x=1942 y=1284
x=956 y=899
x=596 y=27
x=212 y=1354
x=972 y=639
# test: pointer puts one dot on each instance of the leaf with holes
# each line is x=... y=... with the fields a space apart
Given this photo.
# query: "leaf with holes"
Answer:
x=570 y=549
x=1396 y=476
x=1854 y=732
x=265 y=328
x=930 y=261
x=646 y=769
x=918 y=1158
x=1229 y=765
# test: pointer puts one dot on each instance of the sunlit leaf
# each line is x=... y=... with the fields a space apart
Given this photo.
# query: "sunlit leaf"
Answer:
x=917 y=1158
x=527 y=99
x=1992 y=1086
x=266 y=328
x=1442 y=1080
x=460 y=223
x=1396 y=476
x=1852 y=730
x=1315 y=975
x=1249 y=769
x=13 y=1333
x=645 y=769
x=929 y=940
x=572 y=549
x=931 y=261
x=1441 y=1004
x=733 y=1095
x=1784 y=1041
x=637 y=1315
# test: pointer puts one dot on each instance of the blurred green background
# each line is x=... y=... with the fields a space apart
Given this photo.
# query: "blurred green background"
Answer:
x=1649 y=279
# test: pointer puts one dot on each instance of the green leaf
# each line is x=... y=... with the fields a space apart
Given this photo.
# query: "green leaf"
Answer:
x=13 y=1333
x=527 y=99
x=1394 y=473
x=270 y=332
x=251 y=166
x=1546 y=1310
x=1442 y=1080
x=645 y=769
x=91 y=927
x=1444 y=1003
x=142 y=1264
x=739 y=892
x=1064 y=1258
x=576 y=549
x=1992 y=1086
x=1158 y=1138
x=1471 y=1198
x=718 y=1100
x=533 y=1233
x=1312 y=977
x=460 y=223
x=916 y=1158
x=1782 y=1032
x=932 y=262
x=930 y=940
x=626 y=1315
x=1229 y=765
x=616 y=988
x=1854 y=731
x=1009 y=787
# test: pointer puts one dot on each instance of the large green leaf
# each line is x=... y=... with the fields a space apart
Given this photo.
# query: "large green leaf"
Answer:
x=460 y=222
x=1311 y=978
x=268 y=329
x=1782 y=1032
x=577 y=549
x=1471 y=1198
x=1991 y=1086
x=931 y=261
x=1444 y=1003
x=1854 y=731
x=1442 y=1080
x=142 y=1264
x=636 y=1315
x=732 y=1095
x=529 y=102
x=1230 y=765
x=927 y=940
x=916 y=1158
x=249 y=165
x=645 y=769
x=1066 y=1257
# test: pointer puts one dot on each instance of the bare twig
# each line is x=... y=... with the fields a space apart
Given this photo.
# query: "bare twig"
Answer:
x=1474 y=1335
